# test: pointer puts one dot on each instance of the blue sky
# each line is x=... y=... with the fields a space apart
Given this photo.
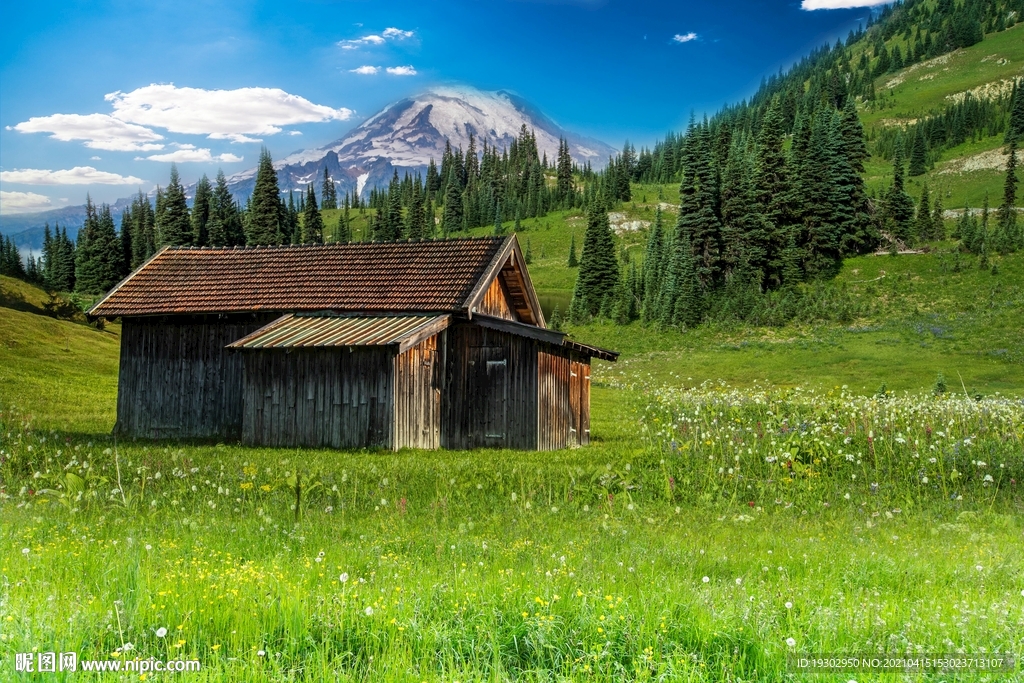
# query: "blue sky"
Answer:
x=100 y=97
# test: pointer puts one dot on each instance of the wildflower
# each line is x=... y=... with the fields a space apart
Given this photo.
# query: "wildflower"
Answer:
x=789 y=605
x=706 y=580
x=127 y=647
x=344 y=577
x=161 y=632
x=261 y=653
x=739 y=581
x=791 y=642
x=368 y=611
x=25 y=551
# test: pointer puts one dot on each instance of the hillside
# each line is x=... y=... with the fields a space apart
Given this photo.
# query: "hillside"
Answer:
x=965 y=173
x=59 y=373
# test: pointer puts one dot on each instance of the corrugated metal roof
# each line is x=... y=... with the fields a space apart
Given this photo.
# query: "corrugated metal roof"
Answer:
x=323 y=331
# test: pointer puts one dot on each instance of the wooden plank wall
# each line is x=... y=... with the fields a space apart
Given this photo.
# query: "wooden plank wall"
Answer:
x=580 y=367
x=337 y=398
x=497 y=301
x=555 y=416
x=177 y=380
x=419 y=377
x=469 y=406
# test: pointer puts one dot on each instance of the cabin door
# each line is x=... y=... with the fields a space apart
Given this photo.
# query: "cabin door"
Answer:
x=490 y=377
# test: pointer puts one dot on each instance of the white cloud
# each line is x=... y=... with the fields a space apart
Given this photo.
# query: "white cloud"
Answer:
x=23 y=202
x=295 y=132
x=397 y=33
x=188 y=153
x=99 y=131
x=365 y=70
x=841 y=4
x=391 y=33
x=79 y=175
x=220 y=114
x=684 y=37
x=401 y=70
x=365 y=40
x=94 y=158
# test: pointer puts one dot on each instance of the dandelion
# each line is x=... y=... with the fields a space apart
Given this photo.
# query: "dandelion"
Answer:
x=25 y=551
x=161 y=632
x=789 y=605
x=791 y=642
x=739 y=581
x=706 y=580
x=344 y=577
x=368 y=611
x=261 y=653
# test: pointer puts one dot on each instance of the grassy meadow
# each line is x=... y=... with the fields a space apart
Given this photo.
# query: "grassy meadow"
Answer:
x=739 y=505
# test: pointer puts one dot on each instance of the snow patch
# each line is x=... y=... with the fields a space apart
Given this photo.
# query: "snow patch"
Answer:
x=361 y=183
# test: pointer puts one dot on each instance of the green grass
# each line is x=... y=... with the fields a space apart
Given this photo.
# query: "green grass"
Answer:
x=585 y=564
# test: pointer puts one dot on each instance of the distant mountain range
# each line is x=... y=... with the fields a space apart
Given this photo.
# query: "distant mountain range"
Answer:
x=404 y=136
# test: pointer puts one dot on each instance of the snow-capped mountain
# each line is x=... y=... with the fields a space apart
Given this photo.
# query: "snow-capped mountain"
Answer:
x=407 y=134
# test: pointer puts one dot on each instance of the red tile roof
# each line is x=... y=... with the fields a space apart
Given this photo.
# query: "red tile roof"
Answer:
x=425 y=276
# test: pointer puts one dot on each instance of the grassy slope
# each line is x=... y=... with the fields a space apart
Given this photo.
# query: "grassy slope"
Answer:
x=922 y=90
x=60 y=373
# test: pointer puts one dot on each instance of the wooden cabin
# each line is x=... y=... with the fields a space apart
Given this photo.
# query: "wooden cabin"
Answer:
x=417 y=344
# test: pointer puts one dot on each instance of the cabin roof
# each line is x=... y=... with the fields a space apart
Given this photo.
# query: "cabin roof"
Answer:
x=427 y=276
x=331 y=331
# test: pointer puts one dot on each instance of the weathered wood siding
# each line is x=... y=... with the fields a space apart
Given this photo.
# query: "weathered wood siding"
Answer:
x=177 y=380
x=555 y=417
x=319 y=398
x=579 y=389
x=490 y=394
x=419 y=378
x=497 y=301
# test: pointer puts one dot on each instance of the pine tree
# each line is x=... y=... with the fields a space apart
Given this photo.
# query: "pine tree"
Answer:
x=573 y=261
x=918 y=154
x=772 y=189
x=1015 y=126
x=263 y=225
x=899 y=207
x=923 y=227
x=174 y=226
x=201 y=212
x=99 y=256
x=452 y=214
x=416 y=217
x=312 y=221
x=653 y=268
x=564 y=172
x=11 y=264
x=328 y=193
x=1007 y=210
x=225 y=226
x=938 y=230
x=344 y=224
x=598 y=274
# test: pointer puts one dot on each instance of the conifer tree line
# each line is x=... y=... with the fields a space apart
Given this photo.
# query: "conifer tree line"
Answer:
x=753 y=218
x=902 y=34
x=475 y=188
x=968 y=119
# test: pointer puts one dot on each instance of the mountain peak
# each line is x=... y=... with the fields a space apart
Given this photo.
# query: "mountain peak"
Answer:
x=407 y=134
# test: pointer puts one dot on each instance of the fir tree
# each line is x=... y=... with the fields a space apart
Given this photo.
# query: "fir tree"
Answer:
x=201 y=212
x=263 y=224
x=598 y=274
x=328 y=193
x=918 y=154
x=938 y=230
x=573 y=261
x=174 y=226
x=1015 y=126
x=225 y=226
x=653 y=269
x=344 y=224
x=99 y=259
x=899 y=207
x=1007 y=210
x=923 y=227
x=312 y=221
